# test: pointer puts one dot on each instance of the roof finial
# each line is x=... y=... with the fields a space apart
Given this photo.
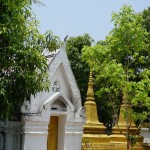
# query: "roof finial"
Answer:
x=65 y=39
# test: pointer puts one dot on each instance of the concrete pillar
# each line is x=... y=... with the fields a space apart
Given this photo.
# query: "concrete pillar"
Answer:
x=35 y=135
x=73 y=135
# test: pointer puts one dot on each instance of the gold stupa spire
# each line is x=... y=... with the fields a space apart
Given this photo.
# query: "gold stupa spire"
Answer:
x=93 y=129
x=90 y=105
x=122 y=121
x=90 y=92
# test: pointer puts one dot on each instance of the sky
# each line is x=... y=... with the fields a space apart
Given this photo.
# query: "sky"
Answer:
x=76 y=17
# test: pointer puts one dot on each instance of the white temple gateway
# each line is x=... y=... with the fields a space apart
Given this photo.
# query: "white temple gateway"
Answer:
x=52 y=119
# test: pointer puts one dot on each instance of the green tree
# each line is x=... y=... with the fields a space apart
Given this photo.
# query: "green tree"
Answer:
x=23 y=68
x=146 y=19
x=121 y=66
x=104 y=105
x=80 y=69
x=146 y=25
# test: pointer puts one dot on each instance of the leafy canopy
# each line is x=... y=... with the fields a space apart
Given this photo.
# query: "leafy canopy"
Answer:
x=22 y=65
x=80 y=69
x=120 y=64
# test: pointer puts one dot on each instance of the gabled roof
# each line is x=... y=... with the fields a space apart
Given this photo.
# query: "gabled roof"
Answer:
x=56 y=59
x=60 y=57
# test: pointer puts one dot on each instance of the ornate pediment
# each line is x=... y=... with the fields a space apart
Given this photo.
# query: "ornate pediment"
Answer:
x=62 y=80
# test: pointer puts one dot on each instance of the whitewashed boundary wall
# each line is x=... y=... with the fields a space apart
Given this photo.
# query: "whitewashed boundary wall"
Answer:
x=10 y=135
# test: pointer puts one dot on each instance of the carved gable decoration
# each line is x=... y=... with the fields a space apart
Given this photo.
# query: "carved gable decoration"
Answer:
x=56 y=86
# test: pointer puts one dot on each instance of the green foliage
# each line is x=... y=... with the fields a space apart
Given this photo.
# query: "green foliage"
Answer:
x=146 y=25
x=53 y=42
x=146 y=19
x=120 y=64
x=23 y=69
x=80 y=69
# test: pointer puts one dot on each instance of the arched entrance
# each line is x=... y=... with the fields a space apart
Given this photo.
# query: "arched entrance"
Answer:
x=56 y=127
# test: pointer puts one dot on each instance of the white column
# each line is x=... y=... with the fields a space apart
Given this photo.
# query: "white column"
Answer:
x=73 y=135
x=35 y=135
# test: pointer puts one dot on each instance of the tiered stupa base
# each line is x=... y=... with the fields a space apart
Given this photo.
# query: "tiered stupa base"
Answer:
x=120 y=140
x=94 y=137
x=105 y=142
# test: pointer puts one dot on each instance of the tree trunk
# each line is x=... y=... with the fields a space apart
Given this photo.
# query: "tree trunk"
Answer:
x=128 y=144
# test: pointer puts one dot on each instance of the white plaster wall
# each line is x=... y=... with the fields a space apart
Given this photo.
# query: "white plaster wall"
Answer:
x=35 y=135
x=145 y=132
x=61 y=131
x=34 y=141
x=36 y=126
x=10 y=135
x=73 y=135
x=37 y=100
x=69 y=133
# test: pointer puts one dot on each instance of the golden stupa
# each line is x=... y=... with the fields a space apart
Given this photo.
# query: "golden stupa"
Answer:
x=95 y=137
